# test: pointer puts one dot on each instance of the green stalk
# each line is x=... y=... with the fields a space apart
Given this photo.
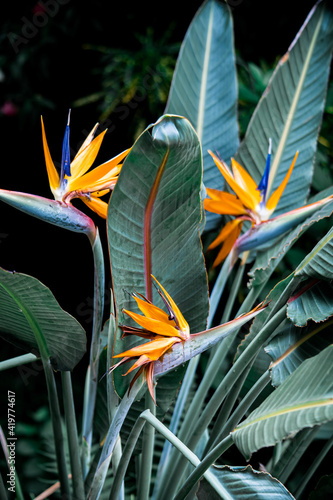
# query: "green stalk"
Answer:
x=233 y=293
x=125 y=458
x=17 y=361
x=175 y=419
x=186 y=452
x=147 y=453
x=218 y=288
x=3 y=491
x=314 y=466
x=92 y=381
x=57 y=429
x=201 y=469
x=219 y=395
x=72 y=436
x=292 y=454
x=227 y=407
x=112 y=397
x=243 y=406
x=111 y=438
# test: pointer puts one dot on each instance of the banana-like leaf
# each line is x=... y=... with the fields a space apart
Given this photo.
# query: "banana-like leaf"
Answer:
x=305 y=399
x=153 y=220
x=204 y=87
x=292 y=346
x=319 y=263
x=244 y=483
x=314 y=302
x=32 y=319
x=290 y=111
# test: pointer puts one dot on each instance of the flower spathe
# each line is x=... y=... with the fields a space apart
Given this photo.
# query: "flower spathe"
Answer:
x=248 y=203
x=74 y=180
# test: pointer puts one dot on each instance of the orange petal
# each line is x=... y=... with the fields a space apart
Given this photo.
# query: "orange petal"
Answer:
x=180 y=318
x=245 y=181
x=97 y=205
x=83 y=161
x=152 y=350
x=51 y=170
x=87 y=140
x=275 y=198
x=153 y=325
x=225 y=233
x=243 y=194
x=228 y=244
x=154 y=312
x=227 y=204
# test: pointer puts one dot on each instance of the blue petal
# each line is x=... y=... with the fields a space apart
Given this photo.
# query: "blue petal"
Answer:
x=65 y=158
x=263 y=184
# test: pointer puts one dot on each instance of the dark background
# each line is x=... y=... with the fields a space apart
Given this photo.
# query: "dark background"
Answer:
x=45 y=75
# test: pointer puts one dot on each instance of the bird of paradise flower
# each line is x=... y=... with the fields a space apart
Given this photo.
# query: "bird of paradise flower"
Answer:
x=164 y=330
x=250 y=203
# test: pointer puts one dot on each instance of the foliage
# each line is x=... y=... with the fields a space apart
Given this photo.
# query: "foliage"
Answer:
x=207 y=393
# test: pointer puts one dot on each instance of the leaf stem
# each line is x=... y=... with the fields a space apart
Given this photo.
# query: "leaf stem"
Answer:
x=147 y=454
x=220 y=393
x=72 y=435
x=17 y=361
x=57 y=428
x=202 y=468
x=92 y=374
x=314 y=466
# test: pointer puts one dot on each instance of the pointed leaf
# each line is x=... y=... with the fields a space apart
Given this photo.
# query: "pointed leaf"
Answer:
x=305 y=399
x=244 y=483
x=153 y=220
x=314 y=303
x=292 y=346
x=31 y=318
x=204 y=86
x=290 y=111
x=319 y=263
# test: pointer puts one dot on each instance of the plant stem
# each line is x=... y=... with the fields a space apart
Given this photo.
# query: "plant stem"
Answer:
x=72 y=436
x=17 y=361
x=218 y=288
x=201 y=468
x=125 y=458
x=314 y=466
x=57 y=428
x=220 y=393
x=233 y=293
x=90 y=400
x=227 y=408
x=147 y=453
x=111 y=438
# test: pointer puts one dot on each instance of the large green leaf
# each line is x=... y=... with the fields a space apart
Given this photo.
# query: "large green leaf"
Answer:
x=303 y=400
x=153 y=220
x=244 y=483
x=32 y=319
x=204 y=86
x=290 y=111
x=319 y=263
x=314 y=302
x=292 y=346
